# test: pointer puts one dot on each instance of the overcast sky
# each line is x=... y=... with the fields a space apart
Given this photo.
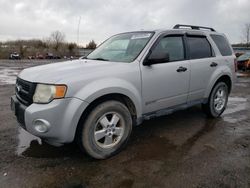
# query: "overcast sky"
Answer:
x=26 y=19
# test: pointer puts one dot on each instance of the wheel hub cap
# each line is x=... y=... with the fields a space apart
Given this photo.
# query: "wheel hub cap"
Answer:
x=220 y=99
x=109 y=130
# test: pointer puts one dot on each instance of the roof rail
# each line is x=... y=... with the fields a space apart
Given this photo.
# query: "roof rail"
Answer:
x=179 y=26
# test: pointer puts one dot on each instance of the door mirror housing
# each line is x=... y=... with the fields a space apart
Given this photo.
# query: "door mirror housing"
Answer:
x=155 y=57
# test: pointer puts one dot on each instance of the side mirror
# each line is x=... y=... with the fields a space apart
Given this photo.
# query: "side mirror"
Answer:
x=155 y=57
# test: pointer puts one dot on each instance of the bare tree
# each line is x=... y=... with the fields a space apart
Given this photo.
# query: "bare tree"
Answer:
x=246 y=34
x=57 y=38
x=91 y=45
x=71 y=47
x=21 y=47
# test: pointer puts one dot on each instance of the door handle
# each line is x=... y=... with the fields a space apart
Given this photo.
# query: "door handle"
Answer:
x=181 y=69
x=213 y=64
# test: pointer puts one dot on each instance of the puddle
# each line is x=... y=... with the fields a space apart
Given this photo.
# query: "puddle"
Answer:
x=161 y=148
x=242 y=74
x=241 y=84
x=24 y=141
x=244 y=80
x=236 y=99
x=236 y=104
x=235 y=119
x=32 y=146
x=8 y=75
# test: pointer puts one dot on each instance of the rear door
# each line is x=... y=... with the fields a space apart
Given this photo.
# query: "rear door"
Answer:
x=227 y=57
x=202 y=64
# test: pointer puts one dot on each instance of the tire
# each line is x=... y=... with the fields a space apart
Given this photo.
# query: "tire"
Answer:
x=106 y=130
x=212 y=108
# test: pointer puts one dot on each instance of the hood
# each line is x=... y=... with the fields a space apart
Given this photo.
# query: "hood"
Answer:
x=57 y=72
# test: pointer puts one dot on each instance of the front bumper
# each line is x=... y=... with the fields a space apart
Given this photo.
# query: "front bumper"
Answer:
x=19 y=110
x=61 y=115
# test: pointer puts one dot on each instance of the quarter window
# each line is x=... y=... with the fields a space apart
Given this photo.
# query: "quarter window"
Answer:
x=199 y=47
x=222 y=45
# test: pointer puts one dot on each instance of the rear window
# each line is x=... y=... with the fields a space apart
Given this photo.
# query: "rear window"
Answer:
x=199 y=47
x=222 y=45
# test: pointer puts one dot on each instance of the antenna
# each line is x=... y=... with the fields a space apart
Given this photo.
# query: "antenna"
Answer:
x=78 y=31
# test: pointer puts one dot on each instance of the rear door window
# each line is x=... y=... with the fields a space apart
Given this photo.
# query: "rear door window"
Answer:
x=199 y=47
x=222 y=45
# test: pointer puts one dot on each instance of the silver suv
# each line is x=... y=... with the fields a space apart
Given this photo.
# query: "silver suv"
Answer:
x=129 y=78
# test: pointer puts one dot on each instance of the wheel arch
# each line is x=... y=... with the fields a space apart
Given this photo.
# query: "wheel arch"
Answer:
x=127 y=101
x=227 y=80
x=222 y=78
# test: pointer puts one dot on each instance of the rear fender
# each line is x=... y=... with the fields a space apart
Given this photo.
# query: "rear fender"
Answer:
x=221 y=71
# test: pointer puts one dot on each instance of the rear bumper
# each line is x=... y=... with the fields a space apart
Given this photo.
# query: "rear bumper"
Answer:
x=60 y=116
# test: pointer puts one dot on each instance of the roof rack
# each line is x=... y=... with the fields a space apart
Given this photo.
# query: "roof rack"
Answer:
x=179 y=26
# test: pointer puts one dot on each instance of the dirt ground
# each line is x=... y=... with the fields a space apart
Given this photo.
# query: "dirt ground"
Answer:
x=184 y=149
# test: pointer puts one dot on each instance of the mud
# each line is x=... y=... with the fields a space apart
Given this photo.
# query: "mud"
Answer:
x=184 y=149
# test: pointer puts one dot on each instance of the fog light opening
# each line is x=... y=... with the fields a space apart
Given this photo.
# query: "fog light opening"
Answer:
x=41 y=126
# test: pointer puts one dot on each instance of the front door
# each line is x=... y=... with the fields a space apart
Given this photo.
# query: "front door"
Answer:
x=166 y=84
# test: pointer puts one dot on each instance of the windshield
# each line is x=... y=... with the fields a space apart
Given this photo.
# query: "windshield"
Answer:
x=121 y=48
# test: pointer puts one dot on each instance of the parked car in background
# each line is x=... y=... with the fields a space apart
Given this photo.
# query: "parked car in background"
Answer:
x=68 y=57
x=238 y=54
x=57 y=57
x=49 y=56
x=39 y=56
x=14 y=55
x=243 y=62
x=31 y=57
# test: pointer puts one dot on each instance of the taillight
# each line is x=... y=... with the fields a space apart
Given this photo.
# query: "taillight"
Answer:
x=235 y=65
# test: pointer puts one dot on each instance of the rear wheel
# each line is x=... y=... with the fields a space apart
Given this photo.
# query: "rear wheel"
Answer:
x=217 y=100
x=106 y=130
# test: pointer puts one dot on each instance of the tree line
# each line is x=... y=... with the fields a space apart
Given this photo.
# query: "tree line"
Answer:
x=54 y=44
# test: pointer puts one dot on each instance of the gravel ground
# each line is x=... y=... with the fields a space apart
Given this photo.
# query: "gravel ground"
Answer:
x=184 y=149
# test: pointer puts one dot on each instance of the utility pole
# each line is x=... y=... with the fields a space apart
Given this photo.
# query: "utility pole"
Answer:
x=78 y=31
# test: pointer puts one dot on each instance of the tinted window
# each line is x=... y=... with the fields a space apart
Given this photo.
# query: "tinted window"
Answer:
x=199 y=47
x=222 y=45
x=173 y=45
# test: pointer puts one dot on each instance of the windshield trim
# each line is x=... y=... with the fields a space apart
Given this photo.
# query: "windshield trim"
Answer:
x=152 y=34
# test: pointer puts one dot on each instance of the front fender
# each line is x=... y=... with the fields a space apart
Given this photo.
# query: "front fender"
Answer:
x=101 y=87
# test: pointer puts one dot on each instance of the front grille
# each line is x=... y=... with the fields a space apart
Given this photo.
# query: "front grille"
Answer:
x=25 y=91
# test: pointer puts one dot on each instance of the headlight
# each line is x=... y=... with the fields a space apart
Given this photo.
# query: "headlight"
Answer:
x=46 y=93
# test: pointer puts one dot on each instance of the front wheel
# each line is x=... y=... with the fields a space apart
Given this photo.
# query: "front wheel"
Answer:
x=217 y=100
x=106 y=130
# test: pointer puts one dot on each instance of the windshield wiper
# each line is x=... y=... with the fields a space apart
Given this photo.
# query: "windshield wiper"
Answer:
x=99 y=58
x=83 y=57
